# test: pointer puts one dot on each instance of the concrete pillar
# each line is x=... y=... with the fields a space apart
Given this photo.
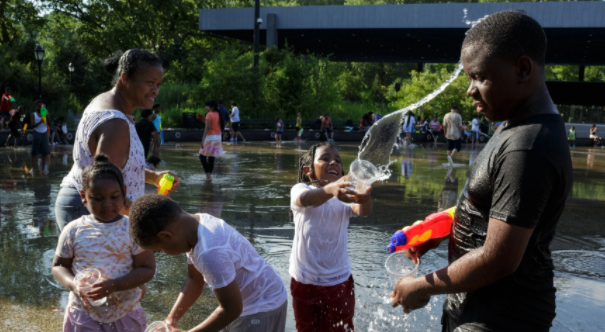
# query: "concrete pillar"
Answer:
x=581 y=74
x=420 y=67
x=272 y=30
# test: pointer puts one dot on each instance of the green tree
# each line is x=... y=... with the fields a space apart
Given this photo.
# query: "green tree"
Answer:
x=104 y=26
x=228 y=75
x=16 y=18
x=421 y=84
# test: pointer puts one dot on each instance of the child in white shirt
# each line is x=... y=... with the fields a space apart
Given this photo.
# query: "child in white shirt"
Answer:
x=251 y=295
x=322 y=285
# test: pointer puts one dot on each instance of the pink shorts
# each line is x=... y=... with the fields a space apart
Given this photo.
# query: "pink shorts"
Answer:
x=80 y=321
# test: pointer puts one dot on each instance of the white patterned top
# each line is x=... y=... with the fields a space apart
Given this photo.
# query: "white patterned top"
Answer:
x=109 y=248
x=133 y=172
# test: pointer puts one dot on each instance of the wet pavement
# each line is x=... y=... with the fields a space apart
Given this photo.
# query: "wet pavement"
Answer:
x=250 y=191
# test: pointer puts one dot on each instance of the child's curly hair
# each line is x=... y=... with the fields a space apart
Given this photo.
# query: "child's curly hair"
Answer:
x=101 y=168
x=307 y=160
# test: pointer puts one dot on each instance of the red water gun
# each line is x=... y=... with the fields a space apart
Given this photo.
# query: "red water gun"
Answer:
x=436 y=225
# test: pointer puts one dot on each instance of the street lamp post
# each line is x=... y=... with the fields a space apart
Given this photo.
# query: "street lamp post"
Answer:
x=39 y=53
x=257 y=22
x=71 y=71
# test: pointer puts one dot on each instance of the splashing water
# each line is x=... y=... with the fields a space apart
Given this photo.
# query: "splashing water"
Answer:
x=372 y=163
x=469 y=22
x=378 y=142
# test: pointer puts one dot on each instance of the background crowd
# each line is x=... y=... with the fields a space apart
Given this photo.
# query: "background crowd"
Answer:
x=199 y=65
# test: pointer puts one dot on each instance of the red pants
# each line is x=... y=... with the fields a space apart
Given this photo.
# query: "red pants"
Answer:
x=320 y=309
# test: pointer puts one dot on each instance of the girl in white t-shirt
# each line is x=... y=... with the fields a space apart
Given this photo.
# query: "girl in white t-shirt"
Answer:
x=322 y=286
x=102 y=241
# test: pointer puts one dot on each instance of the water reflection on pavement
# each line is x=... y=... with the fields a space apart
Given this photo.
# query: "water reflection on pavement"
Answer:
x=251 y=192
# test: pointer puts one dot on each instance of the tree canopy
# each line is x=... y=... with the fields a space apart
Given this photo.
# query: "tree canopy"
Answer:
x=201 y=66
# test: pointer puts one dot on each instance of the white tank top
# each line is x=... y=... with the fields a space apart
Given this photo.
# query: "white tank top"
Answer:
x=41 y=128
x=133 y=172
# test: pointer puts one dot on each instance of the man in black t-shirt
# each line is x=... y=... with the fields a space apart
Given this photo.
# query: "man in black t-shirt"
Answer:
x=500 y=273
x=146 y=130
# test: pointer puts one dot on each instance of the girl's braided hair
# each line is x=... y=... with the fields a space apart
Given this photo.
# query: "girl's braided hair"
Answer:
x=101 y=168
x=130 y=62
x=307 y=160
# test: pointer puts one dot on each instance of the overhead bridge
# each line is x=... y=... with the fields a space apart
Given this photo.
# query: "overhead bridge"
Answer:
x=423 y=33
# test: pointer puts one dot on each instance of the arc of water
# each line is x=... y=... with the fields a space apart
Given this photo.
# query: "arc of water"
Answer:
x=378 y=142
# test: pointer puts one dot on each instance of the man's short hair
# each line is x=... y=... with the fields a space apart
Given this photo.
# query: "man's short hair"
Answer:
x=509 y=34
x=37 y=102
x=146 y=113
x=454 y=107
x=220 y=101
x=149 y=215
x=156 y=106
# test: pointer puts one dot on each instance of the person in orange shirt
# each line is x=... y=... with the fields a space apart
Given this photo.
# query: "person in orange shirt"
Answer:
x=211 y=142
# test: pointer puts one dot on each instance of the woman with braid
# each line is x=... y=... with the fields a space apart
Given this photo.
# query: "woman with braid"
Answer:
x=107 y=128
x=322 y=286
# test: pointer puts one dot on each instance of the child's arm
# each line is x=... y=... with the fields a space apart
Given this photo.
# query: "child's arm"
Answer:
x=190 y=292
x=229 y=309
x=33 y=121
x=316 y=197
x=364 y=203
x=207 y=125
x=143 y=271
x=63 y=273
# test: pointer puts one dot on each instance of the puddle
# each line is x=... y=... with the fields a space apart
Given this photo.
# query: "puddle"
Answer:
x=251 y=190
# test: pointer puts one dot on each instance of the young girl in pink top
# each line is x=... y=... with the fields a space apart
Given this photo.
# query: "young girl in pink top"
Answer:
x=101 y=241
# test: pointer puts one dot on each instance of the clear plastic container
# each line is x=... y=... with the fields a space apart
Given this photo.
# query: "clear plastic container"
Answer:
x=158 y=326
x=398 y=267
x=84 y=280
x=362 y=173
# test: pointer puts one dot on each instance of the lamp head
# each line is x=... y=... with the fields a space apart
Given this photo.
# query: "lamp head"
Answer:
x=39 y=52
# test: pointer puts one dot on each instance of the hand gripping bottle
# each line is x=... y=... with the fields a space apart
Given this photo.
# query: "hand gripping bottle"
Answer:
x=43 y=112
x=436 y=225
x=165 y=184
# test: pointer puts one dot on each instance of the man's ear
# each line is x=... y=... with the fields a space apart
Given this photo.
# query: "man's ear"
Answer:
x=525 y=69
x=165 y=236
x=83 y=197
